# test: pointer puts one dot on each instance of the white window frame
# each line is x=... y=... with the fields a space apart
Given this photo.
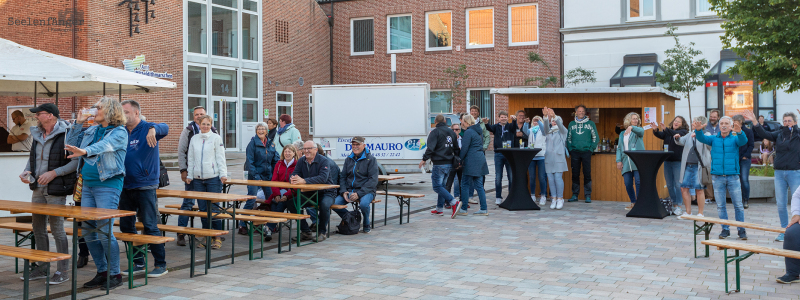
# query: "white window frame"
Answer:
x=389 y=34
x=451 y=100
x=310 y=114
x=494 y=112
x=705 y=13
x=428 y=32
x=187 y=95
x=510 y=27
x=352 y=38
x=278 y=104
x=467 y=27
x=640 y=17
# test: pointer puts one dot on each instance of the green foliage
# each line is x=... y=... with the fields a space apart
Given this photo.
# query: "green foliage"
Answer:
x=682 y=72
x=579 y=75
x=573 y=77
x=767 y=171
x=767 y=34
x=455 y=79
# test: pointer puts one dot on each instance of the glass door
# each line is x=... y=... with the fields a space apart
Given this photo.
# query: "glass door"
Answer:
x=225 y=117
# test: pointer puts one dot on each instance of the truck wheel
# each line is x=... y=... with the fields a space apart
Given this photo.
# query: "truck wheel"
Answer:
x=381 y=169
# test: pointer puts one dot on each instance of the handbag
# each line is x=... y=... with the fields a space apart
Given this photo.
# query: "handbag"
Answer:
x=705 y=175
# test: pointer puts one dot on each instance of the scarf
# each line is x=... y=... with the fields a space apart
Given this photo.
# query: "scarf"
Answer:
x=583 y=120
x=553 y=129
x=283 y=129
x=535 y=129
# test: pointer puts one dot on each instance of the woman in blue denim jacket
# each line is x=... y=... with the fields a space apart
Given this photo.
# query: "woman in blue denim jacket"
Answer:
x=101 y=156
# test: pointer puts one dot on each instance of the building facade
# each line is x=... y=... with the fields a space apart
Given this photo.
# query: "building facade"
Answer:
x=623 y=41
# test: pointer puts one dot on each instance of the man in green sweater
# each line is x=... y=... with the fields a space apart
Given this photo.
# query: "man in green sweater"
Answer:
x=581 y=142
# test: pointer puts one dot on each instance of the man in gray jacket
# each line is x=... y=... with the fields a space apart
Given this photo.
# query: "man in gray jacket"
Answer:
x=51 y=176
x=183 y=150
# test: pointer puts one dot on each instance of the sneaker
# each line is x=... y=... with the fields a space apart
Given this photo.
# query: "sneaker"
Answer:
x=59 y=278
x=788 y=279
x=779 y=238
x=267 y=234
x=746 y=203
x=84 y=260
x=560 y=203
x=462 y=213
x=182 y=240
x=114 y=282
x=242 y=230
x=313 y=227
x=678 y=210
x=366 y=229
x=588 y=199
x=473 y=200
x=724 y=234
x=553 y=203
x=36 y=273
x=136 y=270
x=543 y=200
x=573 y=199
x=498 y=201
x=98 y=280
x=684 y=214
x=437 y=213
x=157 y=272
x=700 y=215
x=447 y=205
x=629 y=207
x=480 y=213
x=455 y=209
x=742 y=235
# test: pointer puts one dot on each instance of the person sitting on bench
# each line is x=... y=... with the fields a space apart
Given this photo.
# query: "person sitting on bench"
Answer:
x=312 y=169
x=358 y=180
x=791 y=241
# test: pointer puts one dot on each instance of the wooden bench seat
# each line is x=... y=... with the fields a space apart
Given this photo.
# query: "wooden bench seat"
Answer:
x=202 y=214
x=141 y=239
x=404 y=200
x=29 y=255
x=260 y=213
x=751 y=249
x=708 y=223
x=400 y=194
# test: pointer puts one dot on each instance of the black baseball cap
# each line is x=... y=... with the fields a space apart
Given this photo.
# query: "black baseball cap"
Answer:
x=48 y=107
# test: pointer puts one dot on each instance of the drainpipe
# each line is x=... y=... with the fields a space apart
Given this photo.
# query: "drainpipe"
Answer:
x=330 y=32
x=74 y=49
x=561 y=37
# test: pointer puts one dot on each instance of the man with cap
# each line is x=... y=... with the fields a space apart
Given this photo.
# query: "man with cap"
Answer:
x=358 y=180
x=20 y=135
x=312 y=169
x=51 y=176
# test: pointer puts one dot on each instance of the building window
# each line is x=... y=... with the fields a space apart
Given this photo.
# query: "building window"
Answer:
x=249 y=85
x=224 y=32
x=712 y=95
x=704 y=8
x=250 y=44
x=439 y=31
x=523 y=25
x=284 y=103
x=480 y=27
x=766 y=104
x=223 y=82
x=361 y=36
x=228 y=3
x=440 y=102
x=310 y=114
x=399 y=33
x=195 y=102
x=197 y=80
x=483 y=100
x=196 y=16
x=250 y=5
x=639 y=10
x=249 y=110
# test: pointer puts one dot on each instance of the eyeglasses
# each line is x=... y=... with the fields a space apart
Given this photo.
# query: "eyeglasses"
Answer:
x=356 y=144
x=309 y=149
x=261 y=129
x=456 y=129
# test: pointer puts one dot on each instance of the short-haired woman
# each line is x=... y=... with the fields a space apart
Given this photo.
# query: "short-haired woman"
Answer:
x=555 y=160
x=282 y=173
x=261 y=156
x=473 y=167
x=286 y=133
x=272 y=126
x=672 y=166
x=101 y=155
x=695 y=160
x=207 y=170
x=630 y=140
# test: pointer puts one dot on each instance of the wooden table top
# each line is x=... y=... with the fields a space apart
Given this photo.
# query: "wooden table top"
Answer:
x=66 y=211
x=281 y=184
x=213 y=197
x=735 y=223
x=389 y=177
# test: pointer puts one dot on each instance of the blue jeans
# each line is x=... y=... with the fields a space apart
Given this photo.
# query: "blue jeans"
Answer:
x=791 y=241
x=629 y=177
x=324 y=215
x=729 y=183
x=439 y=175
x=785 y=180
x=556 y=182
x=744 y=178
x=183 y=221
x=363 y=205
x=500 y=161
x=277 y=207
x=101 y=197
x=145 y=204
x=536 y=170
x=672 y=174
x=211 y=185
x=468 y=183
x=252 y=191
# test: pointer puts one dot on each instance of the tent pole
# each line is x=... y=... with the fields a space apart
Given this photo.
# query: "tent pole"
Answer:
x=56 y=93
x=35 y=85
x=120 y=92
x=104 y=88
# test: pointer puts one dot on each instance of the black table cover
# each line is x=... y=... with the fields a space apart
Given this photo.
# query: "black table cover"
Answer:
x=648 y=204
x=519 y=198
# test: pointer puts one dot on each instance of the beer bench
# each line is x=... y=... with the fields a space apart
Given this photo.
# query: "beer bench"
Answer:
x=29 y=255
x=403 y=199
x=708 y=223
x=751 y=249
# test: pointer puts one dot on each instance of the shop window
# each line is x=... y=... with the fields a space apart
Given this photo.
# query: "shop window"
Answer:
x=737 y=97
x=250 y=36
x=480 y=27
x=284 y=103
x=638 y=70
x=361 y=36
x=483 y=100
x=399 y=33
x=523 y=25
x=196 y=34
x=639 y=10
x=224 y=32
x=439 y=31
x=712 y=95
x=440 y=102
x=223 y=82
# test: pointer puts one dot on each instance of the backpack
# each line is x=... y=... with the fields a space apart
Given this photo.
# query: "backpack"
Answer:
x=351 y=222
x=163 y=177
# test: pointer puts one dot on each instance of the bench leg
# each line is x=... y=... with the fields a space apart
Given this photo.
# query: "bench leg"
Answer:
x=131 y=251
x=372 y=222
x=698 y=230
x=18 y=242
x=191 y=256
x=386 y=203
x=736 y=258
x=26 y=273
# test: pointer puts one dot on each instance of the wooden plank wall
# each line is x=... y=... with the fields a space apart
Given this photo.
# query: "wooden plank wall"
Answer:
x=607 y=182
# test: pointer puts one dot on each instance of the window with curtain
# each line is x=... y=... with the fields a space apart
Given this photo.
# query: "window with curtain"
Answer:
x=399 y=33
x=480 y=27
x=641 y=10
x=523 y=24
x=483 y=100
x=440 y=102
x=361 y=37
x=439 y=31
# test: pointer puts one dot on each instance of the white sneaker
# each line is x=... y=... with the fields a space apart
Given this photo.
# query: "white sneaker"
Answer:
x=473 y=200
x=678 y=210
x=683 y=215
x=542 y=200
x=498 y=201
x=560 y=203
x=700 y=215
x=553 y=204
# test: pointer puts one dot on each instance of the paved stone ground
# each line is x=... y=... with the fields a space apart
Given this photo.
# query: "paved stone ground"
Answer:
x=583 y=251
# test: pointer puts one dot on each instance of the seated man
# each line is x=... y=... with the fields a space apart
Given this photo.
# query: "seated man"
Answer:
x=358 y=180
x=312 y=169
x=791 y=241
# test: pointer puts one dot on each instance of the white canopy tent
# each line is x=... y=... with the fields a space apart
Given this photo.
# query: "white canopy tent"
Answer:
x=25 y=71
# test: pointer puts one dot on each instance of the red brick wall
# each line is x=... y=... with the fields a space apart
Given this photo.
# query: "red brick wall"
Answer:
x=498 y=67
x=305 y=55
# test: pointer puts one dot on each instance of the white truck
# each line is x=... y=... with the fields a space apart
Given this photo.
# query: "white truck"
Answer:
x=393 y=118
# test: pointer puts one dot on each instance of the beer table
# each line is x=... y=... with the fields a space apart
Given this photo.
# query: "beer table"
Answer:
x=77 y=213
x=648 y=205
x=384 y=181
x=300 y=199
x=519 y=198
x=212 y=200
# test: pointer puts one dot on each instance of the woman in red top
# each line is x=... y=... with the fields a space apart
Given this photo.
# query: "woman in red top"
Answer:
x=282 y=172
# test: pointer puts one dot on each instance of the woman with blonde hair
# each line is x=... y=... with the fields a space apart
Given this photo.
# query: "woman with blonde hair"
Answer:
x=101 y=165
x=207 y=170
x=283 y=173
x=630 y=140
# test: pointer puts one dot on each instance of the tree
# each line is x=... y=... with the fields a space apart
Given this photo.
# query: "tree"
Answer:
x=682 y=73
x=455 y=79
x=572 y=77
x=765 y=33
x=579 y=75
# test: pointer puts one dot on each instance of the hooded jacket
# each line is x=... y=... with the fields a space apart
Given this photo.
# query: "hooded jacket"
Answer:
x=473 y=160
x=207 y=157
x=359 y=174
x=442 y=145
x=555 y=160
x=289 y=136
x=142 y=162
x=787 y=146
x=183 y=143
x=582 y=135
x=724 y=151
x=47 y=154
x=503 y=133
x=260 y=159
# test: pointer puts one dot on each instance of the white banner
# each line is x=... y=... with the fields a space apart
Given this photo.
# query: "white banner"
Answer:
x=380 y=147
